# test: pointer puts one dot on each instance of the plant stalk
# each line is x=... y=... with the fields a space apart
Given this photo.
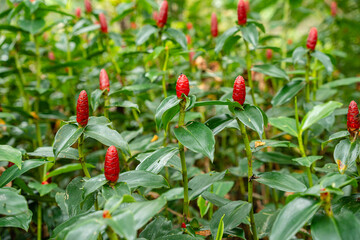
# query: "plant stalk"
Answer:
x=39 y=222
x=307 y=79
x=106 y=104
x=164 y=70
x=81 y=156
x=248 y=67
x=21 y=83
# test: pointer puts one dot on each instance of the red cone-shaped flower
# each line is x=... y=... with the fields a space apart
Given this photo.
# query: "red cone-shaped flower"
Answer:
x=241 y=11
x=189 y=26
x=88 y=7
x=333 y=7
x=155 y=15
x=103 y=23
x=104 y=80
x=214 y=25
x=10 y=164
x=353 y=123
x=182 y=86
x=112 y=168
x=269 y=54
x=51 y=56
x=82 y=109
x=239 y=91
x=162 y=18
x=312 y=39
x=78 y=12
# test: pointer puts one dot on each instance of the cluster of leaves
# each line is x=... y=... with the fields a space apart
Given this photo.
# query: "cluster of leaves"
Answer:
x=306 y=165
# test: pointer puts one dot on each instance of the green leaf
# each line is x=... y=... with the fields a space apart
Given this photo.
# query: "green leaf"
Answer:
x=159 y=227
x=346 y=152
x=123 y=224
x=32 y=26
x=222 y=39
x=123 y=9
x=335 y=136
x=87 y=229
x=14 y=172
x=68 y=168
x=144 y=34
x=264 y=220
x=95 y=98
x=219 y=122
x=307 y=161
x=125 y=104
x=65 y=137
x=167 y=109
x=157 y=160
x=177 y=36
x=11 y=202
x=287 y=92
x=174 y=194
x=108 y=137
x=86 y=29
x=285 y=124
x=317 y=113
x=142 y=178
x=251 y=117
x=43 y=189
x=203 y=206
x=19 y=221
x=45 y=152
x=235 y=212
x=202 y=182
x=10 y=154
x=250 y=34
x=324 y=59
x=270 y=143
x=197 y=137
x=341 y=82
x=93 y=184
x=270 y=70
x=281 y=181
x=292 y=217
x=214 y=103
x=220 y=230
x=119 y=189
x=298 y=54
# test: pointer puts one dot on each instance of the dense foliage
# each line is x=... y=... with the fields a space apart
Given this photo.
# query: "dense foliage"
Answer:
x=179 y=119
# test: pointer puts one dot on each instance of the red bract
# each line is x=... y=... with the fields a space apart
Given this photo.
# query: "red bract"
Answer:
x=10 y=164
x=241 y=11
x=247 y=5
x=51 y=56
x=188 y=39
x=312 y=39
x=106 y=214
x=44 y=182
x=189 y=26
x=155 y=15
x=104 y=80
x=78 y=12
x=191 y=56
x=353 y=123
x=182 y=86
x=162 y=18
x=183 y=225
x=333 y=7
x=103 y=23
x=214 y=25
x=269 y=54
x=239 y=91
x=88 y=7
x=112 y=168
x=82 y=109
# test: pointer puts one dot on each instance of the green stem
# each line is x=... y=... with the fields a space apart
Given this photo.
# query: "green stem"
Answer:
x=81 y=155
x=248 y=67
x=111 y=234
x=307 y=72
x=125 y=162
x=250 y=174
x=164 y=70
x=21 y=83
x=39 y=222
x=106 y=104
x=284 y=35
x=38 y=82
x=186 y=213
x=314 y=75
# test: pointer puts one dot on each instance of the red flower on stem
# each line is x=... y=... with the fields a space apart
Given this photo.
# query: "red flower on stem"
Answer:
x=239 y=91
x=189 y=26
x=51 y=56
x=162 y=18
x=214 y=25
x=78 y=12
x=104 y=80
x=241 y=11
x=88 y=7
x=182 y=86
x=112 y=168
x=82 y=109
x=312 y=39
x=103 y=23
x=269 y=54
x=333 y=7
x=353 y=123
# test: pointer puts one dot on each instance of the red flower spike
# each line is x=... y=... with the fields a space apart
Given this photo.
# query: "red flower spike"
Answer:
x=312 y=39
x=191 y=56
x=182 y=86
x=10 y=164
x=162 y=18
x=103 y=23
x=247 y=5
x=78 y=12
x=239 y=91
x=241 y=11
x=51 y=56
x=353 y=123
x=269 y=54
x=88 y=7
x=188 y=39
x=82 y=109
x=333 y=7
x=112 y=168
x=214 y=25
x=183 y=225
x=155 y=15
x=104 y=80
x=44 y=182
x=106 y=214
x=189 y=26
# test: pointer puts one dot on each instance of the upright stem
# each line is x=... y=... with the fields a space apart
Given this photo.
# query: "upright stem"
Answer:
x=284 y=35
x=250 y=174
x=111 y=234
x=81 y=155
x=164 y=70
x=186 y=212
x=106 y=104
x=307 y=73
x=300 y=141
x=21 y=83
x=38 y=81
x=39 y=222
x=248 y=67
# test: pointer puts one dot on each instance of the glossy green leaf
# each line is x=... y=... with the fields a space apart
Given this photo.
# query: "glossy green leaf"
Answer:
x=68 y=168
x=287 y=92
x=124 y=104
x=222 y=39
x=68 y=153
x=119 y=189
x=167 y=109
x=142 y=178
x=32 y=26
x=144 y=34
x=251 y=117
x=159 y=227
x=95 y=99
x=293 y=217
x=86 y=29
x=94 y=183
x=274 y=157
x=341 y=82
x=123 y=224
x=203 y=206
x=157 y=160
x=202 y=182
x=317 y=113
x=65 y=137
x=250 y=34
x=220 y=230
x=87 y=229
x=270 y=70
x=43 y=189
x=21 y=220
x=197 y=137
x=307 y=161
x=11 y=202
x=264 y=220
x=219 y=122
x=108 y=137
x=335 y=136
x=10 y=154
x=346 y=152
x=298 y=54
x=270 y=143
x=178 y=36
x=285 y=124
x=281 y=181
x=123 y=9
x=324 y=59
